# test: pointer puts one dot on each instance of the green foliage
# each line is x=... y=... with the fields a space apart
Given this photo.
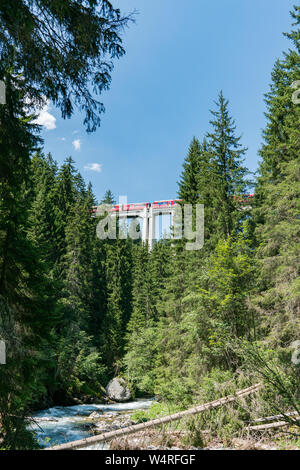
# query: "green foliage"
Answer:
x=188 y=185
x=78 y=363
x=140 y=359
x=53 y=277
x=118 y=272
x=156 y=410
x=276 y=214
x=73 y=43
x=280 y=379
x=108 y=198
x=27 y=305
x=229 y=173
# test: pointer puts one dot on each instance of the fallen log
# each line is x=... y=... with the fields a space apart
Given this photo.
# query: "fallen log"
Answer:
x=264 y=427
x=276 y=417
x=155 y=422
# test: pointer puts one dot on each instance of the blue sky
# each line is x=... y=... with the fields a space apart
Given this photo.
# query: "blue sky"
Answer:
x=177 y=60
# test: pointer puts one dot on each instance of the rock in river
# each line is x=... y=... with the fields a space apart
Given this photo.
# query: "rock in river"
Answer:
x=96 y=414
x=118 y=390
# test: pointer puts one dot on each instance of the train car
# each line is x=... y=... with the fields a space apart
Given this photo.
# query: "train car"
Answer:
x=115 y=209
x=137 y=206
x=164 y=204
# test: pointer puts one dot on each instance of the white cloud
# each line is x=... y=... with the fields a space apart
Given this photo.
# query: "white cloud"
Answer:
x=45 y=118
x=94 y=167
x=77 y=144
x=63 y=139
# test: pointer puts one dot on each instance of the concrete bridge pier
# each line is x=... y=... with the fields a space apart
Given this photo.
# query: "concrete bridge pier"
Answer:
x=152 y=229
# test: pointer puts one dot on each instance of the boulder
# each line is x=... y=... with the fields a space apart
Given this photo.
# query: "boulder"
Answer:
x=41 y=419
x=118 y=390
x=96 y=414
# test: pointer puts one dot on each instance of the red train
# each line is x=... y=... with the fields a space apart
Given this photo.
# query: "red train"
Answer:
x=139 y=206
x=165 y=204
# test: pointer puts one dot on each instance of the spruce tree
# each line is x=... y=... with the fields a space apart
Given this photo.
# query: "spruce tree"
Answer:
x=42 y=207
x=118 y=273
x=276 y=212
x=79 y=363
x=80 y=235
x=27 y=306
x=150 y=277
x=142 y=302
x=229 y=173
x=188 y=184
x=108 y=198
x=64 y=196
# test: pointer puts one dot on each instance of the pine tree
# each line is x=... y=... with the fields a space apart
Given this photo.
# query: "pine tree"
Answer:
x=78 y=341
x=98 y=299
x=108 y=198
x=206 y=181
x=229 y=172
x=118 y=269
x=150 y=276
x=27 y=306
x=42 y=207
x=188 y=184
x=142 y=303
x=80 y=235
x=276 y=213
x=64 y=196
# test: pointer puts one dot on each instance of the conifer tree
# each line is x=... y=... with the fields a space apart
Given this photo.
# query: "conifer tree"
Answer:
x=80 y=288
x=108 y=198
x=188 y=184
x=276 y=212
x=142 y=303
x=118 y=269
x=229 y=172
x=42 y=207
x=27 y=306
x=78 y=260
x=64 y=196
x=151 y=271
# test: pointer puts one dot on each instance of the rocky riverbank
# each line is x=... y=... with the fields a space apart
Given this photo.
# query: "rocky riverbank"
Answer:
x=62 y=424
x=156 y=440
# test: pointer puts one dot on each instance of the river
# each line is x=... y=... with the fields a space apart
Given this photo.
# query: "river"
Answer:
x=62 y=424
